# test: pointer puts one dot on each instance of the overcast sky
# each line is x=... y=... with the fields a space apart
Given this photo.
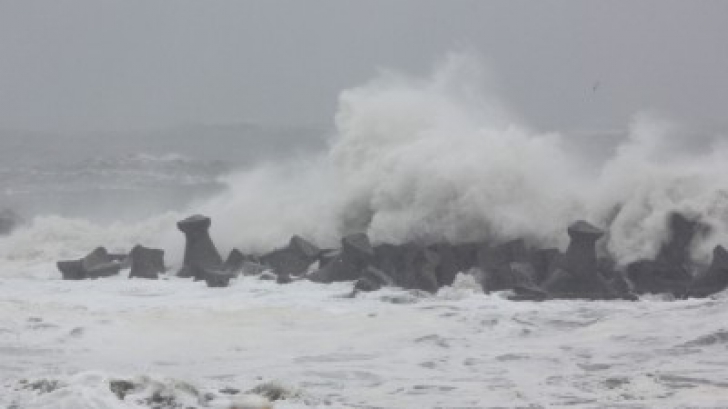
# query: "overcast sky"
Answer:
x=116 y=65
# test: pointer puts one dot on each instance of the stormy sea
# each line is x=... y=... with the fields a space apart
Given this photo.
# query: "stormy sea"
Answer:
x=405 y=159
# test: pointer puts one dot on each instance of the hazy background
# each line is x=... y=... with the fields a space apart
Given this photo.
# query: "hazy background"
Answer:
x=68 y=66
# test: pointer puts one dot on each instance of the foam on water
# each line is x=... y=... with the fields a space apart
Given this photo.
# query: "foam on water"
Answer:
x=389 y=349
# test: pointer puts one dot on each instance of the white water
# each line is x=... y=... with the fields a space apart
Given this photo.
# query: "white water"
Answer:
x=433 y=158
x=460 y=349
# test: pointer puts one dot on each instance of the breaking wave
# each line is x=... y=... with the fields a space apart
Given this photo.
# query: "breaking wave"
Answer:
x=439 y=158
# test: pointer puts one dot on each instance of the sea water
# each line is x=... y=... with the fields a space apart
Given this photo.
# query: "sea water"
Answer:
x=432 y=158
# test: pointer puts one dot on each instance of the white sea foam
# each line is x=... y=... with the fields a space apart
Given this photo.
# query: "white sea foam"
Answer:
x=473 y=350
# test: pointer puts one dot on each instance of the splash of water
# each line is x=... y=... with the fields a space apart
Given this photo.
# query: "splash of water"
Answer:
x=432 y=158
x=440 y=158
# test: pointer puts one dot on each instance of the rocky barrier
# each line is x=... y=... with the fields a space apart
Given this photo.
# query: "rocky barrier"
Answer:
x=529 y=273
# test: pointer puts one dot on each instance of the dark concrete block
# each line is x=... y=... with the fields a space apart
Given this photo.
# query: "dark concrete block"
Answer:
x=389 y=259
x=671 y=270
x=357 y=249
x=544 y=262
x=71 y=270
x=287 y=261
x=283 y=278
x=327 y=256
x=564 y=284
x=448 y=266
x=216 y=278
x=714 y=279
x=618 y=284
x=466 y=254
x=509 y=252
x=146 y=262
x=99 y=264
x=200 y=251
x=356 y=255
x=420 y=268
x=576 y=274
x=304 y=247
x=675 y=250
x=234 y=262
x=648 y=276
x=503 y=264
x=581 y=256
x=294 y=259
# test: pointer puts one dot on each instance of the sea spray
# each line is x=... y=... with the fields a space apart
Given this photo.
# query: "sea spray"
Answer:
x=432 y=159
x=411 y=159
x=47 y=239
x=438 y=158
x=648 y=178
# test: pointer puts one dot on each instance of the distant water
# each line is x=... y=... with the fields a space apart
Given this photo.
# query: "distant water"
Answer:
x=122 y=187
x=133 y=175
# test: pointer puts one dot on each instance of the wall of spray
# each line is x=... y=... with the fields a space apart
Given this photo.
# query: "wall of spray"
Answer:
x=441 y=157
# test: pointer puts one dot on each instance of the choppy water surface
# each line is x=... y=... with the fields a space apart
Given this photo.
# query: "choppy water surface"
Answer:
x=117 y=187
x=391 y=349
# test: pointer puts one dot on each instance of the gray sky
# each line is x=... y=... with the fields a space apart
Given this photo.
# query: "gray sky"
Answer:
x=136 y=64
